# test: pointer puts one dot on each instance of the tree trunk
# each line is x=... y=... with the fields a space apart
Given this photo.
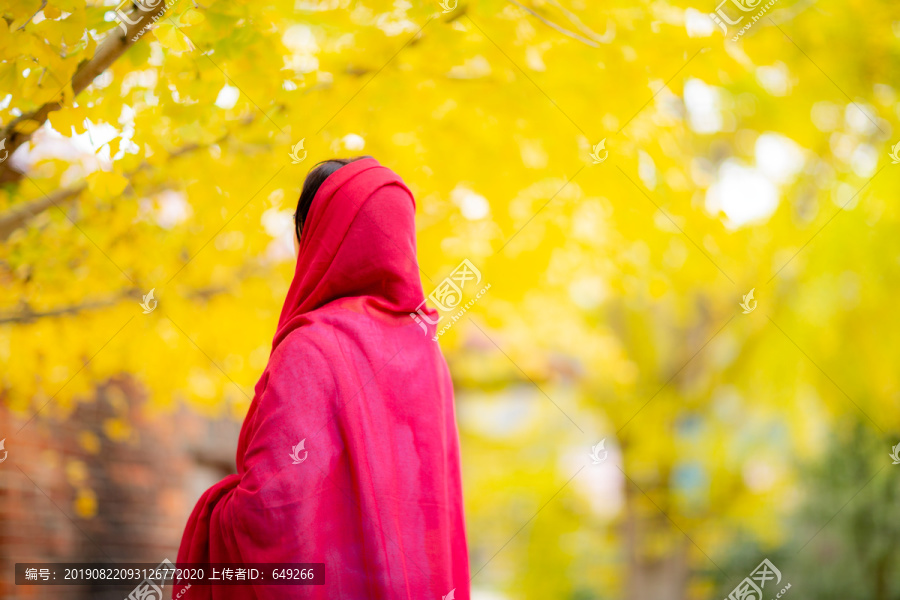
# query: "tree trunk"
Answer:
x=653 y=577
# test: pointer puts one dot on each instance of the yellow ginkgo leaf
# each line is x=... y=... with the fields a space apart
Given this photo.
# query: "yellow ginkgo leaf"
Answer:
x=85 y=503
x=106 y=185
x=65 y=119
x=89 y=442
x=118 y=430
x=68 y=6
x=114 y=146
x=76 y=472
x=192 y=16
x=52 y=12
x=169 y=36
x=7 y=72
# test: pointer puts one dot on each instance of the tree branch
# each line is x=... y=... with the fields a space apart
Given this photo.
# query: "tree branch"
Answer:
x=21 y=213
x=115 y=44
x=43 y=4
x=560 y=29
x=15 y=218
x=606 y=38
x=27 y=315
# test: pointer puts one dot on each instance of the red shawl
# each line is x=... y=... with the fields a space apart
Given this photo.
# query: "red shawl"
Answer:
x=378 y=497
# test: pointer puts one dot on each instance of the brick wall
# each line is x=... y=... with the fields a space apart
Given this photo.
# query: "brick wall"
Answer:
x=109 y=482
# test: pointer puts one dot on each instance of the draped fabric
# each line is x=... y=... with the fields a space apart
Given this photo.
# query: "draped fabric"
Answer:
x=349 y=454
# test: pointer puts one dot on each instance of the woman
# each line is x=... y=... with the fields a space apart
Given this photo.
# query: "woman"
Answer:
x=349 y=454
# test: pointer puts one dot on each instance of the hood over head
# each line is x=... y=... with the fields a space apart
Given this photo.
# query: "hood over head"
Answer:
x=358 y=243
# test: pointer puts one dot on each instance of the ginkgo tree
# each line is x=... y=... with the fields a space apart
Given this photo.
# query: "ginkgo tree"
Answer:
x=620 y=175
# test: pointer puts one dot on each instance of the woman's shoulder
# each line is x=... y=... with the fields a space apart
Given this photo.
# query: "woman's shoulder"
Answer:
x=303 y=355
x=312 y=340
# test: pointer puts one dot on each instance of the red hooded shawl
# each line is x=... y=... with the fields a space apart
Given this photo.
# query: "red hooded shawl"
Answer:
x=378 y=498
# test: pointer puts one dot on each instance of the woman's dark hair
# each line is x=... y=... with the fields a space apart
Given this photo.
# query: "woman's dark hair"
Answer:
x=316 y=177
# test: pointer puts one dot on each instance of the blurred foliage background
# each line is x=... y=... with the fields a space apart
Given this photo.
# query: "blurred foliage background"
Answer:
x=614 y=309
